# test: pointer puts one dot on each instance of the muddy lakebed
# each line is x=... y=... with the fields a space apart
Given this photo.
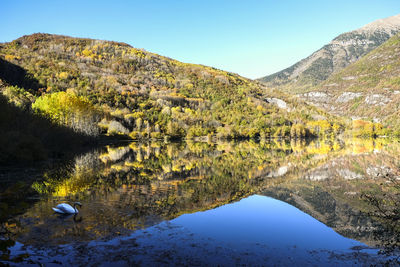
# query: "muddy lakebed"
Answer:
x=317 y=202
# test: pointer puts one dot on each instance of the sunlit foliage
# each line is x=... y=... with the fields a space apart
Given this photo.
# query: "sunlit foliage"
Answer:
x=367 y=128
x=69 y=109
x=147 y=96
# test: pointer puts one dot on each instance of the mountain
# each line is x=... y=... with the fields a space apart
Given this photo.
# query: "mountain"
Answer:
x=368 y=88
x=86 y=83
x=345 y=49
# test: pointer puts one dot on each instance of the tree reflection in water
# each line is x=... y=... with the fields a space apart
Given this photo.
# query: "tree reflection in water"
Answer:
x=134 y=186
x=386 y=210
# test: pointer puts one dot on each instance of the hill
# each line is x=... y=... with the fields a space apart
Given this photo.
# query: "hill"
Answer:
x=86 y=83
x=345 y=49
x=368 y=88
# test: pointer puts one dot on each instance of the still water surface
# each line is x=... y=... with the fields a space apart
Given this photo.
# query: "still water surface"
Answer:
x=319 y=202
x=264 y=220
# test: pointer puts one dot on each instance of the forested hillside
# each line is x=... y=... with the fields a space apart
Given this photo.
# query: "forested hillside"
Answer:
x=103 y=87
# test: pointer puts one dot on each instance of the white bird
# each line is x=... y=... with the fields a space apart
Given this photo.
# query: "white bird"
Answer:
x=65 y=208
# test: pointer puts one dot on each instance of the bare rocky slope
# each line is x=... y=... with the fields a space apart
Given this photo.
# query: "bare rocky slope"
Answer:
x=345 y=49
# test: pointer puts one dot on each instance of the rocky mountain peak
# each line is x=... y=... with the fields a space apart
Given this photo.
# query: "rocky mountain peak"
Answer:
x=345 y=49
x=387 y=25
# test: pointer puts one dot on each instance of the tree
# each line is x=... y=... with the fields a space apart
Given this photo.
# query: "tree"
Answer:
x=70 y=110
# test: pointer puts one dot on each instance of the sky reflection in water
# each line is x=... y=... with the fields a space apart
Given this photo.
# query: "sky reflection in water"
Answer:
x=260 y=219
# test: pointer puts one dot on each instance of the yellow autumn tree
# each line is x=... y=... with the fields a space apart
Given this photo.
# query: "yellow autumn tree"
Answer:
x=70 y=110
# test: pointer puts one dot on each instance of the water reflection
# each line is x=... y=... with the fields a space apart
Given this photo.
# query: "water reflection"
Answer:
x=134 y=186
x=264 y=220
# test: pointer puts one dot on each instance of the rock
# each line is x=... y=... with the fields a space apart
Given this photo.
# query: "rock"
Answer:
x=349 y=175
x=318 y=175
x=381 y=171
x=331 y=85
x=347 y=96
x=279 y=102
x=349 y=78
x=280 y=172
x=377 y=99
x=317 y=96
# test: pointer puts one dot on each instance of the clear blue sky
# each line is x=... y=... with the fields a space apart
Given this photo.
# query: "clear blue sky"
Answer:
x=249 y=37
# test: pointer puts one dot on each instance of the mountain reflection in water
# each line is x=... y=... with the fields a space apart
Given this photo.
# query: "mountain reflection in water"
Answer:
x=351 y=186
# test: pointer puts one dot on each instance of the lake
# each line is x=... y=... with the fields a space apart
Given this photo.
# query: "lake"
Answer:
x=309 y=202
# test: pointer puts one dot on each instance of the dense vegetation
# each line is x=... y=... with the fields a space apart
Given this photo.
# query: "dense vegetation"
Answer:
x=98 y=86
